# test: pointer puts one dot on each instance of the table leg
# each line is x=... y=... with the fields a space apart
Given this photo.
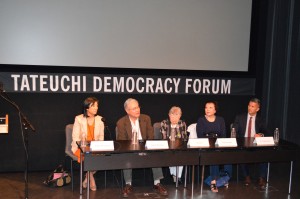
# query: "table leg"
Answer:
x=185 y=176
x=291 y=173
x=193 y=178
x=88 y=185
x=176 y=176
x=81 y=173
x=202 y=179
x=268 y=172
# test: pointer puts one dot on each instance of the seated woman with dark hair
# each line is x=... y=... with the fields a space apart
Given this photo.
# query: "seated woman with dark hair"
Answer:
x=211 y=125
x=90 y=126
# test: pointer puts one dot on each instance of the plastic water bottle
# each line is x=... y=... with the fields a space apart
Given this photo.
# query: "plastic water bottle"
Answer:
x=276 y=136
x=233 y=133
x=83 y=140
x=134 y=137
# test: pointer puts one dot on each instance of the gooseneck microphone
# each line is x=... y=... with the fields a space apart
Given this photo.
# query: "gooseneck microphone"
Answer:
x=106 y=128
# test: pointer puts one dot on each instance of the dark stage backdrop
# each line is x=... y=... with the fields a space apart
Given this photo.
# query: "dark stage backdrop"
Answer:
x=273 y=63
x=50 y=113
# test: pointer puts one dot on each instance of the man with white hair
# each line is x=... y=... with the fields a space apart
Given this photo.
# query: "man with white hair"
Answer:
x=134 y=121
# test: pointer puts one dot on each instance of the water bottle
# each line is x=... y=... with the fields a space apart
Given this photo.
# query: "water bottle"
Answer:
x=134 y=137
x=83 y=140
x=233 y=133
x=276 y=136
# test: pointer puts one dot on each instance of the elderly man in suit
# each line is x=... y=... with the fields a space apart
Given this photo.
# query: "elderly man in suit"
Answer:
x=250 y=124
x=134 y=121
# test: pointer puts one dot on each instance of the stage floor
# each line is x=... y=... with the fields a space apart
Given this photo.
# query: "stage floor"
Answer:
x=12 y=186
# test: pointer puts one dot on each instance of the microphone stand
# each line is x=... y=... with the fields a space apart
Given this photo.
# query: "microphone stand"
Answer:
x=106 y=128
x=27 y=126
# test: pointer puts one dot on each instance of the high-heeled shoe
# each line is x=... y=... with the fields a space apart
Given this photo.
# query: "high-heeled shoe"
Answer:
x=93 y=186
x=84 y=183
x=213 y=187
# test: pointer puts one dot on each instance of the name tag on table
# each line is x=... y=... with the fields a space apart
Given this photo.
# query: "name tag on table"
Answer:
x=102 y=145
x=198 y=143
x=226 y=142
x=264 y=141
x=156 y=144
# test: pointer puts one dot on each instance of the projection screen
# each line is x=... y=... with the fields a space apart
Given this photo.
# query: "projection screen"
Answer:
x=157 y=34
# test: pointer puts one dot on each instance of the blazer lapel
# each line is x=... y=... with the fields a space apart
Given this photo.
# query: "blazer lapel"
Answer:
x=128 y=128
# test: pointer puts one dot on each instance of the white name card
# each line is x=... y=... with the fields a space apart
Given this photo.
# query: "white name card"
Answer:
x=102 y=145
x=157 y=144
x=3 y=128
x=226 y=142
x=264 y=141
x=198 y=143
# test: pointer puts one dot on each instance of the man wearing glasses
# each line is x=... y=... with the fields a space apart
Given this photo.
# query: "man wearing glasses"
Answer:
x=134 y=121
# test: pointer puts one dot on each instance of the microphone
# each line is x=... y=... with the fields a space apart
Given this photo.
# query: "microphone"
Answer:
x=106 y=127
x=26 y=122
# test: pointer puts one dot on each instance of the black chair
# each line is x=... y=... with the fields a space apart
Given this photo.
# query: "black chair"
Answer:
x=68 y=151
x=157 y=133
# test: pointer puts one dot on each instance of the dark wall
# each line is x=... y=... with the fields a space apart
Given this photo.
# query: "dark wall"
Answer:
x=268 y=63
x=49 y=113
x=281 y=68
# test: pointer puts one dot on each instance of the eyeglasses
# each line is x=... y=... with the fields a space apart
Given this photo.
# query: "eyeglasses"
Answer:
x=135 y=108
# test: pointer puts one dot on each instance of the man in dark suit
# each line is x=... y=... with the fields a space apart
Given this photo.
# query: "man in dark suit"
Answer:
x=134 y=121
x=252 y=125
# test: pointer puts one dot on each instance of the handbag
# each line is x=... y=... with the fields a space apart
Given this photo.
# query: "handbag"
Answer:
x=58 y=178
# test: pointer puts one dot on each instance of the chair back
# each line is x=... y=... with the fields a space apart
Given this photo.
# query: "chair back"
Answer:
x=116 y=132
x=192 y=129
x=157 y=133
x=68 y=151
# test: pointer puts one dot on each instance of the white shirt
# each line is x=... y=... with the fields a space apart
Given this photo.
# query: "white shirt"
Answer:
x=135 y=126
x=252 y=126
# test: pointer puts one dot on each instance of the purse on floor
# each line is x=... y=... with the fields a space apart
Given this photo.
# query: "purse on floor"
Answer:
x=58 y=178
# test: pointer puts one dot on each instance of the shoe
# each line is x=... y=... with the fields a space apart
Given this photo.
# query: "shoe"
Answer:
x=84 y=183
x=127 y=189
x=247 y=181
x=262 y=183
x=160 y=189
x=174 y=179
x=213 y=186
x=93 y=186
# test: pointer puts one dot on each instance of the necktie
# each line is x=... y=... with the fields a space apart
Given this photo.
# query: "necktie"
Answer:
x=249 y=127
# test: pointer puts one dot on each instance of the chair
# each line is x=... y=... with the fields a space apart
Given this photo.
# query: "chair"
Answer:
x=68 y=151
x=193 y=135
x=157 y=133
x=192 y=130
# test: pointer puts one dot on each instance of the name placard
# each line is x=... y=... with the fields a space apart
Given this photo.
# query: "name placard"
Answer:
x=226 y=142
x=3 y=128
x=102 y=145
x=156 y=144
x=198 y=143
x=264 y=141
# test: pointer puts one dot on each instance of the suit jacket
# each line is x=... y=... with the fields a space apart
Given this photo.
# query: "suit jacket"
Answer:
x=240 y=124
x=125 y=131
x=80 y=127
